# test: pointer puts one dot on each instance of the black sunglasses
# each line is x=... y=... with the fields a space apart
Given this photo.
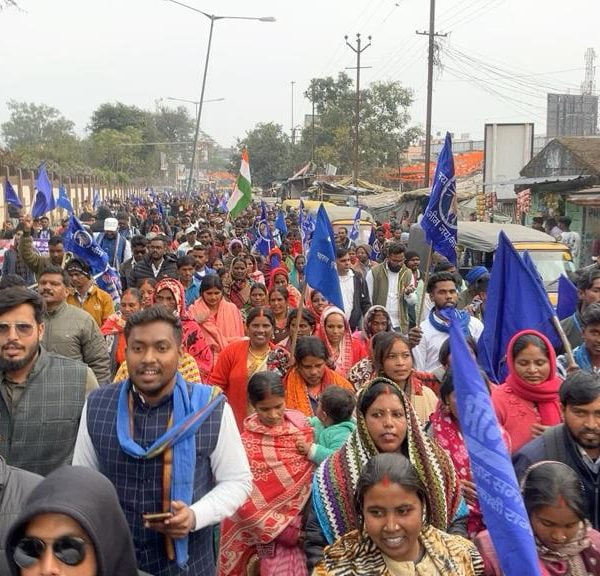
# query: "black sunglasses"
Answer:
x=70 y=550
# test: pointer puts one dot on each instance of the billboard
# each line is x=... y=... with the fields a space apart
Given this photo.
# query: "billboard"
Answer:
x=507 y=148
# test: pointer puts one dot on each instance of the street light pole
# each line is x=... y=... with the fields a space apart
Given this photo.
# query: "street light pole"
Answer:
x=213 y=18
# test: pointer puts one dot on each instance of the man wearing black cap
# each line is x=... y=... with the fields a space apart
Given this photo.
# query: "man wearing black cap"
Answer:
x=86 y=295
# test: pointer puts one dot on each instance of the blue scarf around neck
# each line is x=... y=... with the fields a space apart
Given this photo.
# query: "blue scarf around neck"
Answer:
x=190 y=410
x=582 y=358
x=463 y=317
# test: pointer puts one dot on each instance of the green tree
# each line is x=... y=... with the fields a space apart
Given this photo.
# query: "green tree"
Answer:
x=384 y=123
x=36 y=132
x=269 y=150
x=118 y=150
x=118 y=116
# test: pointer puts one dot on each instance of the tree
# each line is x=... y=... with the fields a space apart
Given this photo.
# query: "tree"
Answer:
x=118 y=116
x=269 y=150
x=8 y=4
x=36 y=132
x=34 y=126
x=383 y=130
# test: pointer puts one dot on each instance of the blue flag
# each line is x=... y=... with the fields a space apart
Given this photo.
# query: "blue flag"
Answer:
x=516 y=300
x=10 y=196
x=223 y=204
x=263 y=231
x=372 y=240
x=355 y=231
x=44 y=199
x=440 y=217
x=497 y=487
x=567 y=298
x=321 y=271
x=96 y=200
x=213 y=200
x=63 y=200
x=81 y=242
x=280 y=223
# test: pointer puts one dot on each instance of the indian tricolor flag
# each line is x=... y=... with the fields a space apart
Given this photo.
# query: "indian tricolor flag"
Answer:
x=242 y=193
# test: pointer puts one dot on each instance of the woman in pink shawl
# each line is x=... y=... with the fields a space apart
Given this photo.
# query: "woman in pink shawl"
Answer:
x=171 y=294
x=220 y=321
x=335 y=332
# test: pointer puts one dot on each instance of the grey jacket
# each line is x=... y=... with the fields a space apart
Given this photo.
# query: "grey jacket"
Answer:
x=15 y=487
x=73 y=333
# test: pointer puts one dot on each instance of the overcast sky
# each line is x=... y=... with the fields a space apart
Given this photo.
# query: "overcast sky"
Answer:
x=77 y=54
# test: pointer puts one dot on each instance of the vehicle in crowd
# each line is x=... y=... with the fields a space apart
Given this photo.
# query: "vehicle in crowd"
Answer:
x=477 y=243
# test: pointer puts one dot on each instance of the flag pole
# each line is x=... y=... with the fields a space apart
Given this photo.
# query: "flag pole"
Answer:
x=300 y=308
x=571 y=364
x=425 y=281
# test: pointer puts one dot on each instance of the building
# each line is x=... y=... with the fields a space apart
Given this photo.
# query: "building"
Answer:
x=572 y=115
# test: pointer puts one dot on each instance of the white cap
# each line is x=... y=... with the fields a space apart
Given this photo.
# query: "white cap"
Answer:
x=190 y=229
x=111 y=225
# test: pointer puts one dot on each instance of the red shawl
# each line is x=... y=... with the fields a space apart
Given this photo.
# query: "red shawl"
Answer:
x=544 y=395
x=280 y=489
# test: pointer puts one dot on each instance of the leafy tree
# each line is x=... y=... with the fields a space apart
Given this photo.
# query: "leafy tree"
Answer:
x=34 y=126
x=384 y=123
x=118 y=116
x=269 y=150
x=118 y=150
x=36 y=132
x=8 y=4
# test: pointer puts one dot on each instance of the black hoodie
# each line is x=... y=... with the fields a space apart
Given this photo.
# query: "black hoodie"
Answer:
x=90 y=499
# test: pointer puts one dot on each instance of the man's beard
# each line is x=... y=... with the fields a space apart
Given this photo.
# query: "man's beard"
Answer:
x=9 y=365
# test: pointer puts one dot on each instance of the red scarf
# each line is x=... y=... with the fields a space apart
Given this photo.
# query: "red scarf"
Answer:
x=544 y=395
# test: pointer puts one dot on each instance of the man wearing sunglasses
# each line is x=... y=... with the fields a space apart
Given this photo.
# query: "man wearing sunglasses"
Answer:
x=41 y=394
x=71 y=525
x=171 y=448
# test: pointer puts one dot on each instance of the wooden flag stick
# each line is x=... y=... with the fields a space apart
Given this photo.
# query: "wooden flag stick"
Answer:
x=298 y=317
x=425 y=281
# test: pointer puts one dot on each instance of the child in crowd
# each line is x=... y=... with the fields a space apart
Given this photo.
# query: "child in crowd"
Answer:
x=332 y=425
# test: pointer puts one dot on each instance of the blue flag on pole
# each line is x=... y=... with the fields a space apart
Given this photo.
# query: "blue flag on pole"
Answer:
x=82 y=244
x=321 y=272
x=516 y=300
x=567 y=298
x=10 y=196
x=355 y=230
x=44 y=199
x=280 y=223
x=263 y=230
x=63 y=200
x=497 y=487
x=440 y=217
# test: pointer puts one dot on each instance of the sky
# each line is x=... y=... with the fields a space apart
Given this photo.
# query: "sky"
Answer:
x=499 y=59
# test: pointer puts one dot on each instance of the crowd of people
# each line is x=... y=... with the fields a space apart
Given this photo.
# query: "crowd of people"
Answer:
x=222 y=417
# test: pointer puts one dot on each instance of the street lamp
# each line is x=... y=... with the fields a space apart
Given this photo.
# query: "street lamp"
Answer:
x=213 y=18
x=196 y=103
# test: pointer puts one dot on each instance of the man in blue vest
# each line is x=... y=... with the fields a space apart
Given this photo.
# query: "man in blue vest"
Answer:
x=170 y=447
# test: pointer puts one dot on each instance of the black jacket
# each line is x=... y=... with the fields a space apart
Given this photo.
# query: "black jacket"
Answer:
x=557 y=444
x=361 y=303
x=143 y=269
x=91 y=500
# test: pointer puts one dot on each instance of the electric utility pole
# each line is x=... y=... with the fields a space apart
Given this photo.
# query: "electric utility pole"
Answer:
x=430 y=64
x=358 y=51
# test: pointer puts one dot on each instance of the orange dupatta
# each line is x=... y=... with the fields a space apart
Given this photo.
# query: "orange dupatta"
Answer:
x=296 y=392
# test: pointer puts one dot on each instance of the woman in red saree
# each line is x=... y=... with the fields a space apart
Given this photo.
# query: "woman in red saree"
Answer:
x=266 y=530
x=281 y=278
x=220 y=321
